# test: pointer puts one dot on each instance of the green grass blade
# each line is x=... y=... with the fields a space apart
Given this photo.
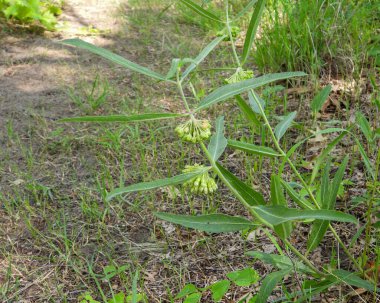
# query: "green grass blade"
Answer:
x=215 y=223
x=230 y=90
x=252 y=29
x=247 y=193
x=247 y=110
x=365 y=127
x=276 y=215
x=283 y=126
x=114 y=58
x=278 y=199
x=154 y=184
x=320 y=98
x=202 y=55
x=122 y=118
x=253 y=149
x=269 y=283
x=200 y=10
x=218 y=142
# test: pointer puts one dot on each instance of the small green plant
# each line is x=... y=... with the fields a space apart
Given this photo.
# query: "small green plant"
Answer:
x=312 y=200
x=31 y=11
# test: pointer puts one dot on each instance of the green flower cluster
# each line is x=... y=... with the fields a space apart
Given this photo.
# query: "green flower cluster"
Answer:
x=235 y=31
x=240 y=75
x=200 y=184
x=194 y=130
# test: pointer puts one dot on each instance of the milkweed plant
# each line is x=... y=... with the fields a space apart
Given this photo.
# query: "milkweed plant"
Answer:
x=316 y=208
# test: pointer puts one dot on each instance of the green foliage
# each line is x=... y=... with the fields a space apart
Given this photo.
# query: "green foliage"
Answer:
x=314 y=36
x=31 y=11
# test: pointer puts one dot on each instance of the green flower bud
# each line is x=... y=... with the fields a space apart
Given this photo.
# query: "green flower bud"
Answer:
x=194 y=130
x=199 y=184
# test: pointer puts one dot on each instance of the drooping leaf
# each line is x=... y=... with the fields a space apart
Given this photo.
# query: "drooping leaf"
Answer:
x=154 y=184
x=114 y=58
x=200 y=10
x=123 y=118
x=320 y=98
x=353 y=279
x=202 y=55
x=301 y=202
x=253 y=149
x=218 y=142
x=230 y=90
x=278 y=199
x=253 y=98
x=244 y=277
x=275 y=215
x=215 y=223
x=247 y=193
x=247 y=110
x=283 y=126
x=219 y=289
x=269 y=283
x=280 y=262
x=252 y=29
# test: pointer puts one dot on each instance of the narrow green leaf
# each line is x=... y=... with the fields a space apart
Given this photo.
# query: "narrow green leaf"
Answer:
x=114 y=58
x=230 y=90
x=253 y=149
x=301 y=202
x=320 y=98
x=247 y=110
x=276 y=215
x=278 y=199
x=219 y=289
x=200 y=11
x=269 y=283
x=247 y=193
x=253 y=97
x=122 y=118
x=244 y=277
x=154 y=184
x=280 y=262
x=173 y=68
x=245 y=9
x=365 y=127
x=351 y=278
x=252 y=29
x=215 y=223
x=202 y=55
x=367 y=162
x=283 y=126
x=218 y=142
x=338 y=178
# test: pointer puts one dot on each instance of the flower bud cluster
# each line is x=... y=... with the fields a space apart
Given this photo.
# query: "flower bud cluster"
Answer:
x=194 y=130
x=240 y=75
x=202 y=183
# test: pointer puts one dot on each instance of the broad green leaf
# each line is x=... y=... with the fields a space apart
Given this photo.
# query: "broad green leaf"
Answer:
x=247 y=110
x=114 y=58
x=278 y=199
x=219 y=289
x=230 y=90
x=200 y=10
x=122 y=118
x=215 y=223
x=283 y=126
x=253 y=149
x=202 y=55
x=218 y=142
x=253 y=98
x=244 y=277
x=193 y=298
x=280 y=262
x=154 y=184
x=351 y=278
x=301 y=202
x=275 y=215
x=320 y=98
x=252 y=29
x=365 y=127
x=269 y=283
x=186 y=290
x=242 y=190
x=118 y=298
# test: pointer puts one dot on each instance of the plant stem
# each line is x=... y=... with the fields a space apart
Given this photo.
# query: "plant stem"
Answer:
x=231 y=38
x=179 y=85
